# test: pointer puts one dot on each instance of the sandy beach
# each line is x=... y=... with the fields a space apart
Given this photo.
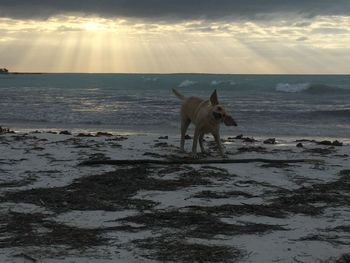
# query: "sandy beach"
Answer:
x=95 y=95
x=53 y=209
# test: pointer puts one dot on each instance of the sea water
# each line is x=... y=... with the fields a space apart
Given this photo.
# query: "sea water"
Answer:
x=262 y=105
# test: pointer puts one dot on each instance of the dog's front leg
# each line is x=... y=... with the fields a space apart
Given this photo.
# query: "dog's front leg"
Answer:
x=195 y=141
x=184 y=125
x=218 y=143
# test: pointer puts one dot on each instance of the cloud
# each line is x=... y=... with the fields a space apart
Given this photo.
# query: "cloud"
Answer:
x=169 y=10
x=303 y=38
x=303 y=24
x=330 y=30
x=68 y=29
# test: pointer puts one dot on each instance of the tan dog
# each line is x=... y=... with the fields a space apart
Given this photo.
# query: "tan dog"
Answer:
x=206 y=116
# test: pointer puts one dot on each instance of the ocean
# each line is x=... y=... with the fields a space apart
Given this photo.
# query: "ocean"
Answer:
x=262 y=105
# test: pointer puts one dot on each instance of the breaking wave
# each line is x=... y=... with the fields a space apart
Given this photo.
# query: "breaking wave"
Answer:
x=309 y=88
x=222 y=82
x=187 y=83
x=292 y=88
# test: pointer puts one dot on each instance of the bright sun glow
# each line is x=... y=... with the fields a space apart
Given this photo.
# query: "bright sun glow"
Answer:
x=92 y=26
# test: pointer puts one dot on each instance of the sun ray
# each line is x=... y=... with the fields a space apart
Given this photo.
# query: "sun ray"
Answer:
x=92 y=44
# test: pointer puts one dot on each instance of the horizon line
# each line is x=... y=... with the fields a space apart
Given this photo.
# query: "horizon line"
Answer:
x=173 y=73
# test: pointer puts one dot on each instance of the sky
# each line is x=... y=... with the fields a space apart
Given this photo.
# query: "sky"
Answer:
x=171 y=36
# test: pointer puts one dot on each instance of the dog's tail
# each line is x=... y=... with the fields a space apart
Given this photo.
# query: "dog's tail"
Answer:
x=178 y=94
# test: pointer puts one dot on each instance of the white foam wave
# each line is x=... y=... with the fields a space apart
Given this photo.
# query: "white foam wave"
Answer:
x=292 y=88
x=216 y=82
x=186 y=83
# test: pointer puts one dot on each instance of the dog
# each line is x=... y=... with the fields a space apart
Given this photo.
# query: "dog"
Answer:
x=206 y=115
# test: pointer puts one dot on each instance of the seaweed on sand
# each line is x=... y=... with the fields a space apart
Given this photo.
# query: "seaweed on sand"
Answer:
x=303 y=200
x=20 y=229
x=110 y=191
x=167 y=248
x=197 y=224
x=207 y=194
x=311 y=200
x=17 y=183
x=332 y=239
x=343 y=259
x=321 y=151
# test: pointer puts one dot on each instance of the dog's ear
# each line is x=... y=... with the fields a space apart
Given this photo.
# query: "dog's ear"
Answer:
x=229 y=121
x=214 y=98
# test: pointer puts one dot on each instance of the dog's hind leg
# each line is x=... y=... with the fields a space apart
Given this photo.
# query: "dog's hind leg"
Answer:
x=185 y=122
x=195 y=141
x=201 y=142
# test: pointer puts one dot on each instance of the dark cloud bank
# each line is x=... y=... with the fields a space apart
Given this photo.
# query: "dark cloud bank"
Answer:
x=174 y=9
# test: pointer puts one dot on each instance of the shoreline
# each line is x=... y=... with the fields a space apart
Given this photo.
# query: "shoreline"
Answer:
x=24 y=128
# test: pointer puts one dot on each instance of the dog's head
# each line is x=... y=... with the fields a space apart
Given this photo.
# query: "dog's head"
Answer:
x=219 y=112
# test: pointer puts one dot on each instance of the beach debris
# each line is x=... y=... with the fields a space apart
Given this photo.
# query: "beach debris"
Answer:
x=5 y=130
x=173 y=248
x=161 y=144
x=337 y=143
x=321 y=151
x=270 y=141
x=244 y=139
x=197 y=223
x=104 y=134
x=23 y=137
x=324 y=142
x=275 y=165
x=300 y=145
x=85 y=135
x=345 y=258
x=247 y=139
x=19 y=231
x=330 y=143
x=330 y=238
x=342 y=155
x=305 y=140
x=258 y=149
x=35 y=132
x=241 y=137
x=207 y=194
x=238 y=137
x=117 y=138
x=155 y=155
x=65 y=133
x=98 y=156
x=112 y=191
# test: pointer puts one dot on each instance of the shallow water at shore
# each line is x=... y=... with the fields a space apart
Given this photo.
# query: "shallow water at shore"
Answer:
x=275 y=105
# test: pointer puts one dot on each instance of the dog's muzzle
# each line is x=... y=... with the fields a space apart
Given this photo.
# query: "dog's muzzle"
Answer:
x=217 y=115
